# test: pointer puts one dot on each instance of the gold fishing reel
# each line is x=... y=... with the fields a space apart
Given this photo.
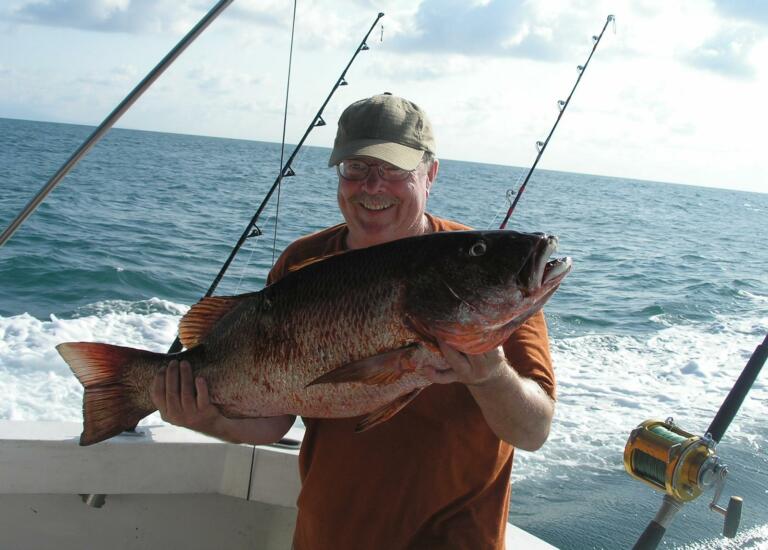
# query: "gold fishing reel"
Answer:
x=679 y=464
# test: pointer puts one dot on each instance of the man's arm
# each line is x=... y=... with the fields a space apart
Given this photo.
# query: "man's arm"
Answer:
x=517 y=409
x=185 y=402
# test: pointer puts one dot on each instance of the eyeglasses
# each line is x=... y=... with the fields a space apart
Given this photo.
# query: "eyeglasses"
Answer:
x=357 y=170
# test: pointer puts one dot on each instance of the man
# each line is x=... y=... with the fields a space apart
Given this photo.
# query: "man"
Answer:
x=436 y=475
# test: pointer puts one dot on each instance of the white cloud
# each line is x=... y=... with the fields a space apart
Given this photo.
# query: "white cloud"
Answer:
x=728 y=52
x=662 y=98
x=130 y=16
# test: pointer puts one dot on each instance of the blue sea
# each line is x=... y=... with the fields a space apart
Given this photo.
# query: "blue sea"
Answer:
x=667 y=299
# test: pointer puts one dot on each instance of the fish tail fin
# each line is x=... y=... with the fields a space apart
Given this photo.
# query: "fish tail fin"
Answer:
x=108 y=400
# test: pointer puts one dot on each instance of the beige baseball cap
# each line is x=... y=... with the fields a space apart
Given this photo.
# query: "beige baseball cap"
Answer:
x=385 y=127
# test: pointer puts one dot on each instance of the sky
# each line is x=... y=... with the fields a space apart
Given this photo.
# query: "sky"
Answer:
x=676 y=94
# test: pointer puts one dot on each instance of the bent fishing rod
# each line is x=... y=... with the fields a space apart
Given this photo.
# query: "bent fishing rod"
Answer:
x=113 y=117
x=682 y=465
x=251 y=230
x=541 y=146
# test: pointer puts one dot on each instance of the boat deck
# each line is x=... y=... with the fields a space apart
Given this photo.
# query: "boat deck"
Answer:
x=165 y=487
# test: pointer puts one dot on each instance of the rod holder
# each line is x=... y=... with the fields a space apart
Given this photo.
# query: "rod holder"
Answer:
x=94 y=500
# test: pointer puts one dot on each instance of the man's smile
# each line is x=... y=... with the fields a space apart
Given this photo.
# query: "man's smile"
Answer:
x=375 y=204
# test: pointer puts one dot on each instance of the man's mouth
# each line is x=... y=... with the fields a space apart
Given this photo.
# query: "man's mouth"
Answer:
x=375 y=205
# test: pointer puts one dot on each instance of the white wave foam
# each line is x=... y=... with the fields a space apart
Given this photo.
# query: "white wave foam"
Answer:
x=755 y=538
x=35 y=381
x=608 y=384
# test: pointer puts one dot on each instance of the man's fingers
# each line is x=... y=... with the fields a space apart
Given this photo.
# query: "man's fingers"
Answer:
x=158 y=391
x=187 y=387
x=440 y=376
x=203 y=399
x=172 y=402
x=449 y=352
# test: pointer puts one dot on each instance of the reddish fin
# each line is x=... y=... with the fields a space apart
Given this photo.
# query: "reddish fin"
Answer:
x=384 y=368
x=423 y=332
x=387 y=411
x=108 y=408
x=313 y=260
x=204 y=315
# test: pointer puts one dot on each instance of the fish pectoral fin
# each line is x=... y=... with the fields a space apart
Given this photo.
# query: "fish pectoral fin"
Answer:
x=204 y=315
x=384 y=368
x=386 y=412
x=423 y=332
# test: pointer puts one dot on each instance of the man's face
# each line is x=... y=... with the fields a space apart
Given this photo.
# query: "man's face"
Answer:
x=378 y=211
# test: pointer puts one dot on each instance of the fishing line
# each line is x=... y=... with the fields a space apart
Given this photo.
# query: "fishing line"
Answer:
x=282 y=143
x=282 y=154
x=245 y=268
x=510 y=198
x=252 y=230
x=541 y=146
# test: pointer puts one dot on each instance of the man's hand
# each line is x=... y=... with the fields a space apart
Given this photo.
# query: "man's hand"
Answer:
x=472 y=370
x=517 y=409
x=183 y=401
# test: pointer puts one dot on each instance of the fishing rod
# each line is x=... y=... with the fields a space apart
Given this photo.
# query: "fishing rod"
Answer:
x=682 y=465
x=251 y=230
x=113 y=117
x=541 y=146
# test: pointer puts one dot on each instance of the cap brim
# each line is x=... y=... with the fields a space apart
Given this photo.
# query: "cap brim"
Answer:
x=395 y=154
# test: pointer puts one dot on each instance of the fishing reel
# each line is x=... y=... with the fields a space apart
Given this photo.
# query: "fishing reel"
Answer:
x=682 y=466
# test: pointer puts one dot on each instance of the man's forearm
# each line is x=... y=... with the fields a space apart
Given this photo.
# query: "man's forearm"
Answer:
x=517 y=409
x=254 y=431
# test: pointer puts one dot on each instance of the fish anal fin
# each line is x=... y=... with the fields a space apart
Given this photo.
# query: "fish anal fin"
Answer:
x=204 y=315
x=386 y=412
x=381 y=369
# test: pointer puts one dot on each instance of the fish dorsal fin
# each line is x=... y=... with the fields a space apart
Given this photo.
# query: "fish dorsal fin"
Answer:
x=204 y=315
x=313 y=260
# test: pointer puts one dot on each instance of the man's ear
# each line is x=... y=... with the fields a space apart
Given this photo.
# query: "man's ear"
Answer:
x=432 y=174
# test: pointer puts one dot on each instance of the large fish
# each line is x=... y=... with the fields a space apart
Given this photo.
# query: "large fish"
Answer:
x=340 y=337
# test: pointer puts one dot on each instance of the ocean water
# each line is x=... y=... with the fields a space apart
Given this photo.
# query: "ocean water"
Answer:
x=667 y=300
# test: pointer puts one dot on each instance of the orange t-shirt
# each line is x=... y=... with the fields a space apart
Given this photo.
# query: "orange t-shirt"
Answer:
x=433 y=476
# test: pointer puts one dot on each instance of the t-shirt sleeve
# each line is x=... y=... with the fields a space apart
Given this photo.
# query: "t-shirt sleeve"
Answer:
x=527 y=350
x=280 y=268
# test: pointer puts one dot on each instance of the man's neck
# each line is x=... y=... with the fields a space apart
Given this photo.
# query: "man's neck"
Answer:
x=353 y=241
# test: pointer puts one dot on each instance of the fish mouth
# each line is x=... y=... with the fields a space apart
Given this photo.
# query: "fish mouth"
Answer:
x=545 y=274
x=555 y=271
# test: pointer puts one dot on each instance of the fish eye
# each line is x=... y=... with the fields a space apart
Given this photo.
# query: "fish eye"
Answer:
x=478 y=249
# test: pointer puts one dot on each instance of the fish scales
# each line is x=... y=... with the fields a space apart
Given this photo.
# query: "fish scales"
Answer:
x=300 y=342
x=341 y=337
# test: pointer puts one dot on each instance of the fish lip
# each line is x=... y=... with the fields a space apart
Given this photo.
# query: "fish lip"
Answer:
x=536 y=268
x=555 y=271
x=542 y=274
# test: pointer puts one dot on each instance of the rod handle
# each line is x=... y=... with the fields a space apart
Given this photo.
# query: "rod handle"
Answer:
x=651 y=537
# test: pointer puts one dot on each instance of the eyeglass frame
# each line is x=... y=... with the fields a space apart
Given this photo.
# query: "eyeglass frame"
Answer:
x=380 y=169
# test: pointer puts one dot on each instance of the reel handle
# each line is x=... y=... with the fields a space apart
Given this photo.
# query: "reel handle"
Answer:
x=732 y=515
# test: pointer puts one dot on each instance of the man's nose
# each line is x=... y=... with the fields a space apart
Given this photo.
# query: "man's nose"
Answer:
x=373 y=181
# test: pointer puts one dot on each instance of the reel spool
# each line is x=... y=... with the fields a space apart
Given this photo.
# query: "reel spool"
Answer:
x=679 y=464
